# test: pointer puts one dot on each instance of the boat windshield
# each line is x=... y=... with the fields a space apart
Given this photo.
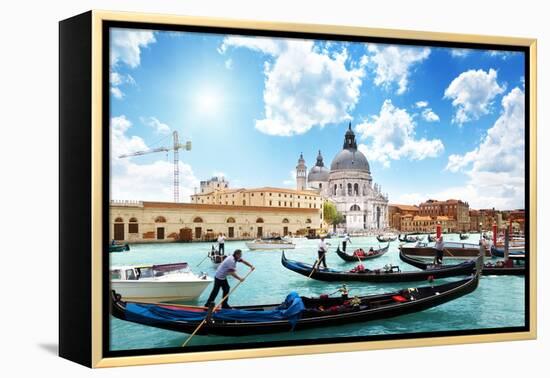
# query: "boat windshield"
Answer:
x=145 y=272
x=115 y=274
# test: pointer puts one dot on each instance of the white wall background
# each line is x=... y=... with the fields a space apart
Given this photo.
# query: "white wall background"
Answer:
x=28 y=156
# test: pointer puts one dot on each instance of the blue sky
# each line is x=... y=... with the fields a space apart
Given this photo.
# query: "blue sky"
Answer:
x=433 y=122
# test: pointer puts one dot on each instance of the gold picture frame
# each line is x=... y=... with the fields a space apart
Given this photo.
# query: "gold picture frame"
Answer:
x=92 y=24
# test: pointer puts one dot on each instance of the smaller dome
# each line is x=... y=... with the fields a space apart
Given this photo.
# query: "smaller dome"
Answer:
x=318 y=172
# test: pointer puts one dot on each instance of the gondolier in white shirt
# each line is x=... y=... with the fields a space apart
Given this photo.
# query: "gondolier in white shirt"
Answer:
x=345 y=242
x=322 y=251
x=221 y=244
x=439 y=246
x=227 y=267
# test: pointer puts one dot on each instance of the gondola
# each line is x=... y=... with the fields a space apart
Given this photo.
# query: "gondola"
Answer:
x=463 y=236
x=513 y=255
x=431 y=238
x=314 y=312
x=408 y=239
x=119 y=247
x=355 y=257
x=389 y=274
x=215 y=256
x=488 y=269
x=385 y=239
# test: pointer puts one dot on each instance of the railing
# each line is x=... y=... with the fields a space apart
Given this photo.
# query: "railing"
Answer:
x=130 y=203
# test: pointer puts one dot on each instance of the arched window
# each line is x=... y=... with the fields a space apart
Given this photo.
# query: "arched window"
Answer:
x=230 y=220
x=355 y=208
x=308 y=221
x=285 y=220
x=349 y=189
x=119 y=220
x=259 y=220
x=356 y=189
x=364 y=190
x=197 y=220
x=160 y=219
x=133 y=227
x=335 y=187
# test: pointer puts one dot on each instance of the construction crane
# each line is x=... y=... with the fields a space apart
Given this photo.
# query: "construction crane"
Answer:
x=176 y=147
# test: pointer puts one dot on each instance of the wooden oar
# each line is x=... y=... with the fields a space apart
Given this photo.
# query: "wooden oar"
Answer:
x=215 y=308
x=446 y=250
x=315 y=266
x=207 y=256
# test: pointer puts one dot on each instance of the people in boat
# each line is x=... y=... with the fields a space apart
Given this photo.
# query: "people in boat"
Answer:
x=344 y=291
x=321 y=252
x=113 y=242
x=221 y=244
x=439 y=246
x=227 y=267
x=345 y=242
x=370 y=252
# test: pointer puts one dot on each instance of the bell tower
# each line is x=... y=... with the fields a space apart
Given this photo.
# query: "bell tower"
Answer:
x=301 y=172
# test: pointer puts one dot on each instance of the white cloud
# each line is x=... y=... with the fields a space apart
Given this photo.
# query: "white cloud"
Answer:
x=393 y=64
x=126 y=45
x=496 y=168
x=229 y=64
x=160 y=128
x=421 y=104
x=148 y=181
x=501 y=54
x=291 y=181
x=304 y=86
x=392 y=137
x=473 y=93
x=117 y=93
x=117 y=80
x=429 y=115
x=460 y=53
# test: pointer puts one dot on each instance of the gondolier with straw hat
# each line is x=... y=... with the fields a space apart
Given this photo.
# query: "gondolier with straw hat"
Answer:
x=227 y=267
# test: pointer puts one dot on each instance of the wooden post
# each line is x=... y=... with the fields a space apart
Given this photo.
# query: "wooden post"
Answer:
x=506 y=244
x=438 y=230
x=495 y=232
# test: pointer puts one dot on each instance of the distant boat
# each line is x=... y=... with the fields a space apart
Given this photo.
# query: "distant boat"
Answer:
x=512 y=254
x=215 y=256
x=409 y=239
x=267 y=244
x=164 y=282
x=119 y=247
x=360 y=254
x=431 y=238
x=450 y=249
x=463 y=236
x=386 y=238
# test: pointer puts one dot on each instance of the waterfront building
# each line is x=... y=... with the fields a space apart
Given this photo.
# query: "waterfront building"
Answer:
x=349 y=185
x=454 y=209
x=215 y=183
x=137 y=221
x=396 y=214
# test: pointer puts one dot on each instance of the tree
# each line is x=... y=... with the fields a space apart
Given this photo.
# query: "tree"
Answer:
x=331 y=215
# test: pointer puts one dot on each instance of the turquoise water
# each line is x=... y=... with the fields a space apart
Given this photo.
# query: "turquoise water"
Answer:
x=498 y=302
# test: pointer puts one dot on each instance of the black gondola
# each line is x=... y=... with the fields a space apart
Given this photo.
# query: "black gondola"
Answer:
x=385 y=239
x=355 y=257
x=392 y=274
x=431 y=238
x=318 y=312
x=463 y=236
x=119 y=247
x=488 y=269
x=215 y=256
x=409 y=238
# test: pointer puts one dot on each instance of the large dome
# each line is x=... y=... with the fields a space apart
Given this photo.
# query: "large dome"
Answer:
x=318 y=172
x=350 y=157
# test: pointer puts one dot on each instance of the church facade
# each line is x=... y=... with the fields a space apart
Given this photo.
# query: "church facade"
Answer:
x=349 y=185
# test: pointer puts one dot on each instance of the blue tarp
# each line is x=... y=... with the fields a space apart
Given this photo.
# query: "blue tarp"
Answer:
x=291 y=310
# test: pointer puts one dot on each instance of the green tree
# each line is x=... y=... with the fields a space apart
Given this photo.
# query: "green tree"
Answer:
x=331 y=215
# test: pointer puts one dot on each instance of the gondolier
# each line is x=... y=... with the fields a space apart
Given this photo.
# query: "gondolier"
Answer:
x=221 y=244
x=345 y=242
x=321 y=252
x=227 y=267
x=439 y=245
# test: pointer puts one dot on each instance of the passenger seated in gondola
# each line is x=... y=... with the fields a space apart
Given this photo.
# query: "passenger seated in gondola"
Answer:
x=370 y=252
x=359 y=269
x=359 y=252
x=344 y=291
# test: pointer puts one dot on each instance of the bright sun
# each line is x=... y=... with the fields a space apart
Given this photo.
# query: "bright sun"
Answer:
x=208 y=102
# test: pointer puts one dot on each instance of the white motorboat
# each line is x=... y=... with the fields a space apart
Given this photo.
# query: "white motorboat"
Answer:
x=165 y=282
x=273 y=243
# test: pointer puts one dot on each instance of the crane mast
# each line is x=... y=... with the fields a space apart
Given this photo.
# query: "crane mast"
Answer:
x=176 y=147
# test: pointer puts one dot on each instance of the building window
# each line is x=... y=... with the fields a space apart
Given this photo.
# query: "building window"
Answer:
x=356 y=189
x=119 y=220
x=230 y=220
x=285 y=220
x=349 y=189
x=308 y=221
x=133 y=227
x=244 y=202
x=160 y=219
x=197 y=220
x=270 y=202
x=355 y=208
x=259 y=220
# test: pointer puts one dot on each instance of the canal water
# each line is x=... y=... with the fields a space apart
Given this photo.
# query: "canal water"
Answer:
x=498 y=302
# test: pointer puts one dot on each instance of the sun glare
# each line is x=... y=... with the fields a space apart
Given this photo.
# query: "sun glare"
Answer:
x=208 y=102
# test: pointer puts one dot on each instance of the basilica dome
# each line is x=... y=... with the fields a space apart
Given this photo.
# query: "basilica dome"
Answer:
x=318 y=172
x=350 y=157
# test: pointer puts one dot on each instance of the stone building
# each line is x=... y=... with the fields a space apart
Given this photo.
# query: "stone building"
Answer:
x=396 y=214
x=454 y=209
x=167 y=221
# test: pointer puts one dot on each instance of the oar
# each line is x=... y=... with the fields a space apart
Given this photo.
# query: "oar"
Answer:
x=207 y=256
x=446 y=250
x=215 y=308
x=314 y=267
